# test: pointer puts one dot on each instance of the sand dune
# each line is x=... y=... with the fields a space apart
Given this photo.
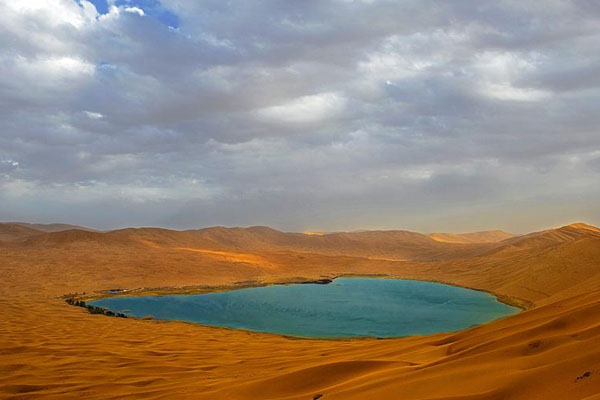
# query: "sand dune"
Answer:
x=231 y=256
x=49 y=349
x=474 y=237
x=390 y=245
x=56 y=227
x=15 y=232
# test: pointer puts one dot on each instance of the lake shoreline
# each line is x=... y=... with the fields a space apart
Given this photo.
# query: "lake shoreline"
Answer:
x=513 y=301
x=201 y=289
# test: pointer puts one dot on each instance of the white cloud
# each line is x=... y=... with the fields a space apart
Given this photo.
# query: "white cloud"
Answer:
x=56 y=66
x=54 y=12
x=305 y=109
x=15 y=188
x=510 y=93
x=93 y=115
x=497 y=71
x=134 y=10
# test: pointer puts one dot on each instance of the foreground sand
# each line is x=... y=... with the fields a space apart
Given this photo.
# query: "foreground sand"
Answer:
x=49 y=349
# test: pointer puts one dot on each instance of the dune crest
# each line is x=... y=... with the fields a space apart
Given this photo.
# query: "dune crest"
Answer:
x=582 y=225
x=474 y=237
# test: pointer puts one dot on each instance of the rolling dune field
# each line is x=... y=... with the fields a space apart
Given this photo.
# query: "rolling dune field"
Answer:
x=49 y=349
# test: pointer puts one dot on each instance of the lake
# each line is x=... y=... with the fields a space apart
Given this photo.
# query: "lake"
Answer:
x=347 y=307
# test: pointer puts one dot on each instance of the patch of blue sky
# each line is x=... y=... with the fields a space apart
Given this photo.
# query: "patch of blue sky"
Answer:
x=151 y=8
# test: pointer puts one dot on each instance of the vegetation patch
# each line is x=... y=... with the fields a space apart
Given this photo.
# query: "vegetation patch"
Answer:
x=93 y=309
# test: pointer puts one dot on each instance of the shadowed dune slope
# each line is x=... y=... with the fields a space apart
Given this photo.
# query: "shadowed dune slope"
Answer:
x=54 y=227
x=51 y=350
x=14 y=232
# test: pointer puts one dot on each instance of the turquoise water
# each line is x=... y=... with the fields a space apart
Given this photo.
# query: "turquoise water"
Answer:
x=347 y=307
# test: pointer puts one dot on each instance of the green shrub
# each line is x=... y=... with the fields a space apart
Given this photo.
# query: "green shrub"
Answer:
x=93 y=309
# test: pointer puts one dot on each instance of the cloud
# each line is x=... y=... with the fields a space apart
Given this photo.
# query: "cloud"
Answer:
x=93 y=115
x=312 y=108
x=314 y=114
x=53 y=12
x=134 y=10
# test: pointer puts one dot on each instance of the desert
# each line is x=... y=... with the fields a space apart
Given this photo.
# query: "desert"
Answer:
x=53 y=350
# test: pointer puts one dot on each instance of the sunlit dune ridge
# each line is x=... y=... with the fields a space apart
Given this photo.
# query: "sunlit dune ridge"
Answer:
x=231 y=256
x=475 y=237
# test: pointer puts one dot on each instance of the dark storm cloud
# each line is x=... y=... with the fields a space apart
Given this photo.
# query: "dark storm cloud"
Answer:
x=331 y=114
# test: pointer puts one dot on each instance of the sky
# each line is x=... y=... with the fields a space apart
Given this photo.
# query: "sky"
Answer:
x=426 y=115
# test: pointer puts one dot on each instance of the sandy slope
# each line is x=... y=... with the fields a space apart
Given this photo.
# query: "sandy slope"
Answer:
x=474 y=237
x=394 y=245
x=51 y=350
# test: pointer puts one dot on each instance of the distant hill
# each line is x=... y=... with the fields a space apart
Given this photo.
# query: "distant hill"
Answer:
x=390 y=245
x=550 y=237
x=383 y=245
x=11 y=231
x=15 y=231
x=475 y=237
x=541 y=266
x=56 y=227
